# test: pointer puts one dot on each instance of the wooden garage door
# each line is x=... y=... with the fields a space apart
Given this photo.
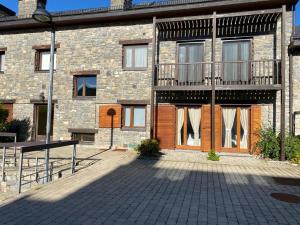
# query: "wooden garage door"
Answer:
x=165 y=126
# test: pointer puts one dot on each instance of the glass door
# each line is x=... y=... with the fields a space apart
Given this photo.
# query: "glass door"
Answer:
x=235 y=128
x=236 y=64
x=189 y=127
x=41 y=122
x=190 y=58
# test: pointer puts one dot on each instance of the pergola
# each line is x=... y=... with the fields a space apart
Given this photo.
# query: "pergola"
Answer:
x=221 y=25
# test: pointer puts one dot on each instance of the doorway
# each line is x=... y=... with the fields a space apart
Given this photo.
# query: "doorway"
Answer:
x=189 y=127
x=40 y=122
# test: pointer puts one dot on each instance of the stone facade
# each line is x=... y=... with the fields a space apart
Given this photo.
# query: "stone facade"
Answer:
x=97 y=48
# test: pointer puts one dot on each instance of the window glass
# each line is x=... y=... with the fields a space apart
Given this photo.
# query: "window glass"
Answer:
x=135 y=56
x=90 y=84
x=80 y=83
x=86 y=85
x=141 y=56
x=45 y=60
x=127 y=116
x=139 y=116
x=2 y=62
x=128 y=60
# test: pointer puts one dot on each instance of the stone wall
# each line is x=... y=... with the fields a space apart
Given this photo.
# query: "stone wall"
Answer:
x=81 y=49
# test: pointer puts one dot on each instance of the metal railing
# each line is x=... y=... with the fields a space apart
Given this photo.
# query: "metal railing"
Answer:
x=248 y=72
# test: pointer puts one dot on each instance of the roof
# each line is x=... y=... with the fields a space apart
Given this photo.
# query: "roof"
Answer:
x=4 y=11
x=158 y=8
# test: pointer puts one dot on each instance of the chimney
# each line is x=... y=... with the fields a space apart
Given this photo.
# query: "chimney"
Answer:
x=27 y=7
x=120 y=4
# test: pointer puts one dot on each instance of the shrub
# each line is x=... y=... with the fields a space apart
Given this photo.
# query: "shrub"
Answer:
x=213 y=156
x=148 y=147
x=292 y=148
x=269 y=143
x=21 y=127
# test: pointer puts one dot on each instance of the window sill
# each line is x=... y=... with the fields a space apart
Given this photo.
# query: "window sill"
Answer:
x=141 y=129
x=135 y=69
x=84 y=98
x=43 y=71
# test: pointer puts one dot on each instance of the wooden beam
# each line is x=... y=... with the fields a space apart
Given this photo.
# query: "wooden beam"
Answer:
x=152 y=102
x=283 y=64
x=213 y=80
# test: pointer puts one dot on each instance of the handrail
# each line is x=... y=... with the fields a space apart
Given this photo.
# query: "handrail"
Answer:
x=26 y=147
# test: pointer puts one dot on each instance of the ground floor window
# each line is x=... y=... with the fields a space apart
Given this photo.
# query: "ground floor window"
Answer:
x=189 y=126
x=134 y=116
x=84 y=138
x=235 y=127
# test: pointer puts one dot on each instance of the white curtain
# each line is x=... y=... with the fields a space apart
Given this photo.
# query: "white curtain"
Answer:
x=228 y=116
x=245 y=125
x=180 y=120
x=195 y=117
x=2 y=62
x=45 y=65
x=128 y=57
x=141 y=56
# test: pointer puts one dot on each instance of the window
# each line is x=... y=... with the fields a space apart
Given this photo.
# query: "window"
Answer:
x=2 y=61
x=134 y=116
x=190 y=58
x=42 y=60
x=135 y=57
x=84 y=138
x=85 y=85
x=236 y=56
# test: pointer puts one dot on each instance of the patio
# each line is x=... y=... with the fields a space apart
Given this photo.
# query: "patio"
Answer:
x=180 y=188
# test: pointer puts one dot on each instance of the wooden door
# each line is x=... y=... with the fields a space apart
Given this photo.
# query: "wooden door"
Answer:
x=40 y=122
x=165 y=126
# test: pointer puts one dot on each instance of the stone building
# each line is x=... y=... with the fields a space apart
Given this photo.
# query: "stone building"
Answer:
x=134 y=71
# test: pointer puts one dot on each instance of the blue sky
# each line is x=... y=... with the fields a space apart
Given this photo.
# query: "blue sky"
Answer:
x=60 y=5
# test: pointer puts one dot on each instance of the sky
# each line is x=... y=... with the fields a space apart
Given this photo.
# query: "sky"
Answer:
x=61 y=5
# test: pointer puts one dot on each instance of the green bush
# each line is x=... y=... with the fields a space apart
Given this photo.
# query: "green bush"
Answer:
x=148 y=147
x=292 y=148
x=269 y=143
x=213 y=156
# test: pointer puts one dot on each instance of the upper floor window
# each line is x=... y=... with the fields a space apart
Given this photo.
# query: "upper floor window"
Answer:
x=85 y=85
x=135 y=57
x=2 y=61
x=42 y=60
x=134 y=116
x=236 y=56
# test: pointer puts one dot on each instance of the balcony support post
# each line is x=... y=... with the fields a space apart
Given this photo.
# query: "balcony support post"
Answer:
x=152 y=105
x=283 y=64
x=213 y=84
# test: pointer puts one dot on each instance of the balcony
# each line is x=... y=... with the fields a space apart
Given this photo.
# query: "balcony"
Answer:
x=233 y=75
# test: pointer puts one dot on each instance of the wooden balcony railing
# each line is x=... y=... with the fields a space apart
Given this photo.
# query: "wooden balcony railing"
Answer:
x=250 y=72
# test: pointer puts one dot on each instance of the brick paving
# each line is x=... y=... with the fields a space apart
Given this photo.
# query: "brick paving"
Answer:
x=120 y=189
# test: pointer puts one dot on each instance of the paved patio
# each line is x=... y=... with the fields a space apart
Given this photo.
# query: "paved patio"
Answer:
x=120 y=189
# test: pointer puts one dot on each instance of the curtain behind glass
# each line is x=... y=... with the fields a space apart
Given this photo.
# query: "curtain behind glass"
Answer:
x=140 y=56
x=230 y=54
x=195 y=55
x=244 y=56
x=45 y=57
x=180 y=121
x=2 y=60
x=139 y=116
x=127 y=117
x=90 y=86
x=128 y=60
x=182 y=58
x=228 y=118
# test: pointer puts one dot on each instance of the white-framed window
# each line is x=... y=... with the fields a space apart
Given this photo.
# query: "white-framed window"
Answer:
x=135 y=57
x=2 y=62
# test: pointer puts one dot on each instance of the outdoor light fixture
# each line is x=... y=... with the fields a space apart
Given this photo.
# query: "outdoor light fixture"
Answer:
x=41 y=15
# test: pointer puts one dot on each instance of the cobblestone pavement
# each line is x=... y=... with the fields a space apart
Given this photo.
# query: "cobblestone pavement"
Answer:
x=121 y=189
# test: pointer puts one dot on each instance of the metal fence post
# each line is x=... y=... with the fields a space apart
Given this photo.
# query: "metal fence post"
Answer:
x=20 y=172
x=36 y=170
x=51 y=172
x=3 y=164
x=15 y=151
x=73 y=163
